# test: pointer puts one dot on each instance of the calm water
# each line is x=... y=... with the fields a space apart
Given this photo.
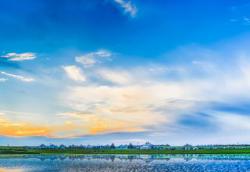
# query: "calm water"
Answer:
x=137 y=163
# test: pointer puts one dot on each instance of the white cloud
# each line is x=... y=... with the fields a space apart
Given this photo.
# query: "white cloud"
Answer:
x=18 y=77
x=19 y=57
x=232 y=121
x=102 y=53
x=92 y=58
x=86 y=60
x=3 y=79
x=246 y=20
x=74 y=73
x=127 y=108
x=128 y=7
x=115 y=76
x=153 y=96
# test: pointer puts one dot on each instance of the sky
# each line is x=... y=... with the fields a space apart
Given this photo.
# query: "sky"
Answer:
x=124 y=71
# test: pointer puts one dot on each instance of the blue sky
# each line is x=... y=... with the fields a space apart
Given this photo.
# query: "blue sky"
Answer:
x=102 y=71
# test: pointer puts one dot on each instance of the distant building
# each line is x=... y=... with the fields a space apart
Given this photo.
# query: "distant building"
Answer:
x=147 y=145
x=188 y=147
x=122 y=147
x=162 y=147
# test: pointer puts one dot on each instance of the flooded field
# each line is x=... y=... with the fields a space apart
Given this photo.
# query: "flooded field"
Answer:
x=126 y=163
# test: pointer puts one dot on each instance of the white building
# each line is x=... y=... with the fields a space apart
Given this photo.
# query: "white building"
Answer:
x=147 y=145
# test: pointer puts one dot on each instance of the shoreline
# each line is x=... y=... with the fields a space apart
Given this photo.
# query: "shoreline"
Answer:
x=121 y=152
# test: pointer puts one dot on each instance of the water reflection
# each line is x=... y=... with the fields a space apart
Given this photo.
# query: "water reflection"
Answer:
x=126 y=163
x=186 y=157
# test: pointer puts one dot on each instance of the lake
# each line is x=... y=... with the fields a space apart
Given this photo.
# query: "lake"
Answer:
x=126 y=163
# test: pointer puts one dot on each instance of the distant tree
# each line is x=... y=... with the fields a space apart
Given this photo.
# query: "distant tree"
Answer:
x=42 y=146
x=130 y=146
x=62 y=146
x=112 y=146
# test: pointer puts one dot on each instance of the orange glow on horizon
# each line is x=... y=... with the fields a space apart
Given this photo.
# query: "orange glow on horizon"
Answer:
x=9 y=128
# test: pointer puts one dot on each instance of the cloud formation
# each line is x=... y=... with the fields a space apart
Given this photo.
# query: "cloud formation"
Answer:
x=115 y=76
x=197 y=96
x=19 y=56
x=90 y=59
x=127 y=6
x=18 y=77
x=9 y=128
x=75 y=73
x=161 y=97
x=3 y=79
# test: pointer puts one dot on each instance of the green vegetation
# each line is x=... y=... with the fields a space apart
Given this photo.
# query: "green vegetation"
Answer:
x=27 y=150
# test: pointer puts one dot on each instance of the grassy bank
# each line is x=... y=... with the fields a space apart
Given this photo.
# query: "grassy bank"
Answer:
x=24 y=150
